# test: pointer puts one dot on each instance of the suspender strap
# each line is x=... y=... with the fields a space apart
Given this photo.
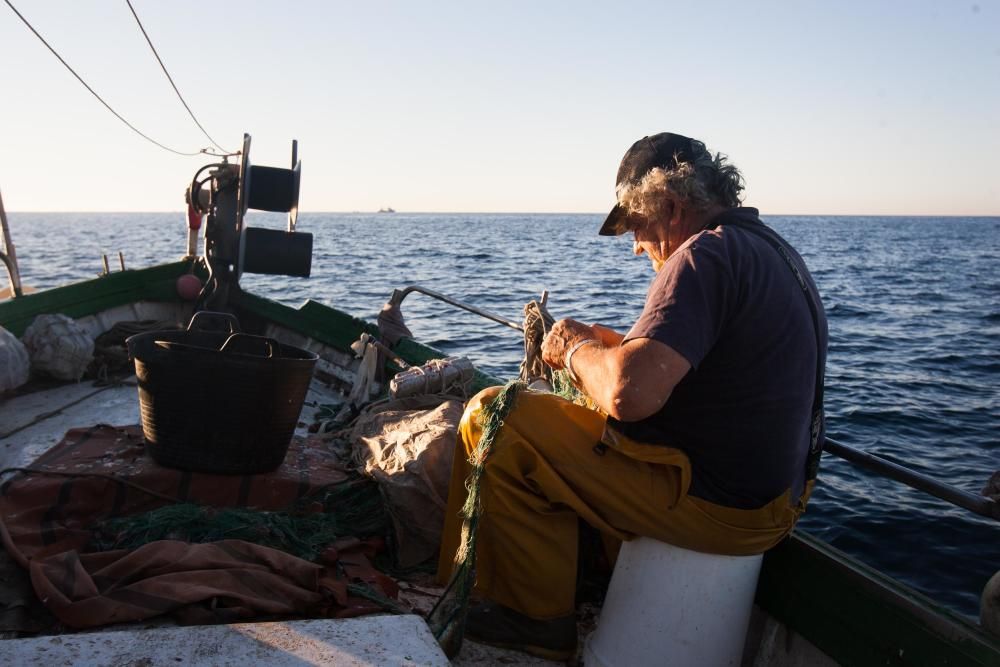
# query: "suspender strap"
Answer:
x=761 y=230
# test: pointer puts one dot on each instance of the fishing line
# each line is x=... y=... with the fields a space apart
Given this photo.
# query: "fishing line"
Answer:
x=92 y=92
x=170 y=78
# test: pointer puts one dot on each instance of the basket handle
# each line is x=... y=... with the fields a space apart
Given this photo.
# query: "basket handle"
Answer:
x=242 y=343
x=202 y=321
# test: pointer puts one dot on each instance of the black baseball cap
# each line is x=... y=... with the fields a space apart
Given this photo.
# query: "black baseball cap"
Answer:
x=665 y=150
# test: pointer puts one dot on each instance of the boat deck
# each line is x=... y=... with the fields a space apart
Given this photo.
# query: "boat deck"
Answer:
x=35 y=420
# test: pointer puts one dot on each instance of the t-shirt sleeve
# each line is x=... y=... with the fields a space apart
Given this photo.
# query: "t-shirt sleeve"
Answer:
x=687 y=301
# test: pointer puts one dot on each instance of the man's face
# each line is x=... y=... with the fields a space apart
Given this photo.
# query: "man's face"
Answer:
x=651 y=236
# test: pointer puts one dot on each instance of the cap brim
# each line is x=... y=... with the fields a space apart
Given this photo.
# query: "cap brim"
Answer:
x=614 y=224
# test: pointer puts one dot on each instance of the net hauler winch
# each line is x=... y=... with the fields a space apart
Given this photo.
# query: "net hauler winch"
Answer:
x=232 y=248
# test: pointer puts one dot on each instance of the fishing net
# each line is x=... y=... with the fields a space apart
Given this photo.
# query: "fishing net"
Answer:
x=210 y=548
x=110 y=352
x=15 y=366
x=358 y=512
x=58 y=346
x=447 y=618
x=305 y=530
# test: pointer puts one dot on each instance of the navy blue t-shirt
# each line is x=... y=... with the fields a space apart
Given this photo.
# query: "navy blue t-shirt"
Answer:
x=729 y=303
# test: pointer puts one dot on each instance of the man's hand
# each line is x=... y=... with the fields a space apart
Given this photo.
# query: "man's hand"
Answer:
x=564 y=335
x=626 y=380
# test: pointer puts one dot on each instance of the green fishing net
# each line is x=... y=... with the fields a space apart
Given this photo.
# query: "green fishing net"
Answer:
x=447 y=619
x=353 y=508
x=562 y=386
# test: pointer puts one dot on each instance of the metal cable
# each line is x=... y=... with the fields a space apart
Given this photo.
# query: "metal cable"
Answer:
x=92 y=92
x=99 y=475
x=170 y=78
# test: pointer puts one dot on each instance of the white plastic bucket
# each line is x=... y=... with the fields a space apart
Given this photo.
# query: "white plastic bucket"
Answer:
x=671 y=606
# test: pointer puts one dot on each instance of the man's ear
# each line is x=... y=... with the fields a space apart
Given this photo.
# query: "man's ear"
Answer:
x=676 y=211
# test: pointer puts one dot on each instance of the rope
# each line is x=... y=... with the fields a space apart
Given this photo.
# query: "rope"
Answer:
x=171 y=80
x=92 y=92
x=369 y=593
x=451 y=376
x=99 y=475
x=447 y=618
x=537 y=323
x=52 y=413
x=111 y=357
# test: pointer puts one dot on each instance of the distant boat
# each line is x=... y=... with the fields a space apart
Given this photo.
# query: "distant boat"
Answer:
x=388 y=209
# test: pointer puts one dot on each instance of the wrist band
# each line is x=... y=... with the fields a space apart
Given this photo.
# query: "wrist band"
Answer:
x=568 y=365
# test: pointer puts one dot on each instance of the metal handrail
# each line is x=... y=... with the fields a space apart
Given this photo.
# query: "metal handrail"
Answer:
x=398 y=296
x=981 y=505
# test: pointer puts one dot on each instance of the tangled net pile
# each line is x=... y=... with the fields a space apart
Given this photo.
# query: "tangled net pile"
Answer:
x=351 y=508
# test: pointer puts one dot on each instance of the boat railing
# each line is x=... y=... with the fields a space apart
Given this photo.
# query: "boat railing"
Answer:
x=979 y=504
x=398 y=295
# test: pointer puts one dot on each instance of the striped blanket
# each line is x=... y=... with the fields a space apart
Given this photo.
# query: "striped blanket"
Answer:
x=48 y=511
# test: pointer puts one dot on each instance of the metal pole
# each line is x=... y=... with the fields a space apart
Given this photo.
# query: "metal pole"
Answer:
x=979 y=504
x=10 y=258
x=398 y=296
x=370 y=340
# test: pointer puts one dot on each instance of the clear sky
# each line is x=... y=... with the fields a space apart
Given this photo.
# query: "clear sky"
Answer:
x=834 y=107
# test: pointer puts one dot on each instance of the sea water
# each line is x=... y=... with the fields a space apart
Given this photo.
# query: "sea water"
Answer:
x=913 y=307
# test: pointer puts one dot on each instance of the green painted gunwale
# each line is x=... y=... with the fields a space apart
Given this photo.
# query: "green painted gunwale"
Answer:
x=87 y=297
x=850 y=612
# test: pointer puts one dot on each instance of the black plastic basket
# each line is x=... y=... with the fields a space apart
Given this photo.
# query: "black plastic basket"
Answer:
x=219 y=401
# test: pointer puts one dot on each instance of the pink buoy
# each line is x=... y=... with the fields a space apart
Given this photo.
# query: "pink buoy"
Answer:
x=188 y=287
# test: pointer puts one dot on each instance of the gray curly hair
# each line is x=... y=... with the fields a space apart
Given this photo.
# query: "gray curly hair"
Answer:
x=699 y=184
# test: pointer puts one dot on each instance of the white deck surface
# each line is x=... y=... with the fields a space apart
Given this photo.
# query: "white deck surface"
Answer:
x=372 y=640
x=39 y=420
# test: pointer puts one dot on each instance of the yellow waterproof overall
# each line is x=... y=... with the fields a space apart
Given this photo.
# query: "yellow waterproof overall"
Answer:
x=544 y=472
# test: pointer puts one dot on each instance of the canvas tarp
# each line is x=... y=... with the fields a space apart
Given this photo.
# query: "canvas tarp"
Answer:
x=407 y=446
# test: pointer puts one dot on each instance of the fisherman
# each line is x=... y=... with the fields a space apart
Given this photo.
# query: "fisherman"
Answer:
x=709 y=423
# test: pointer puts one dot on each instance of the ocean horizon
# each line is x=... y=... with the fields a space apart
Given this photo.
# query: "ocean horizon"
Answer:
x=309 y=214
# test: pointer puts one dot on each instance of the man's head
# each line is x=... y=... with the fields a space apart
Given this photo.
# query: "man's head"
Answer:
x=670 y=171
